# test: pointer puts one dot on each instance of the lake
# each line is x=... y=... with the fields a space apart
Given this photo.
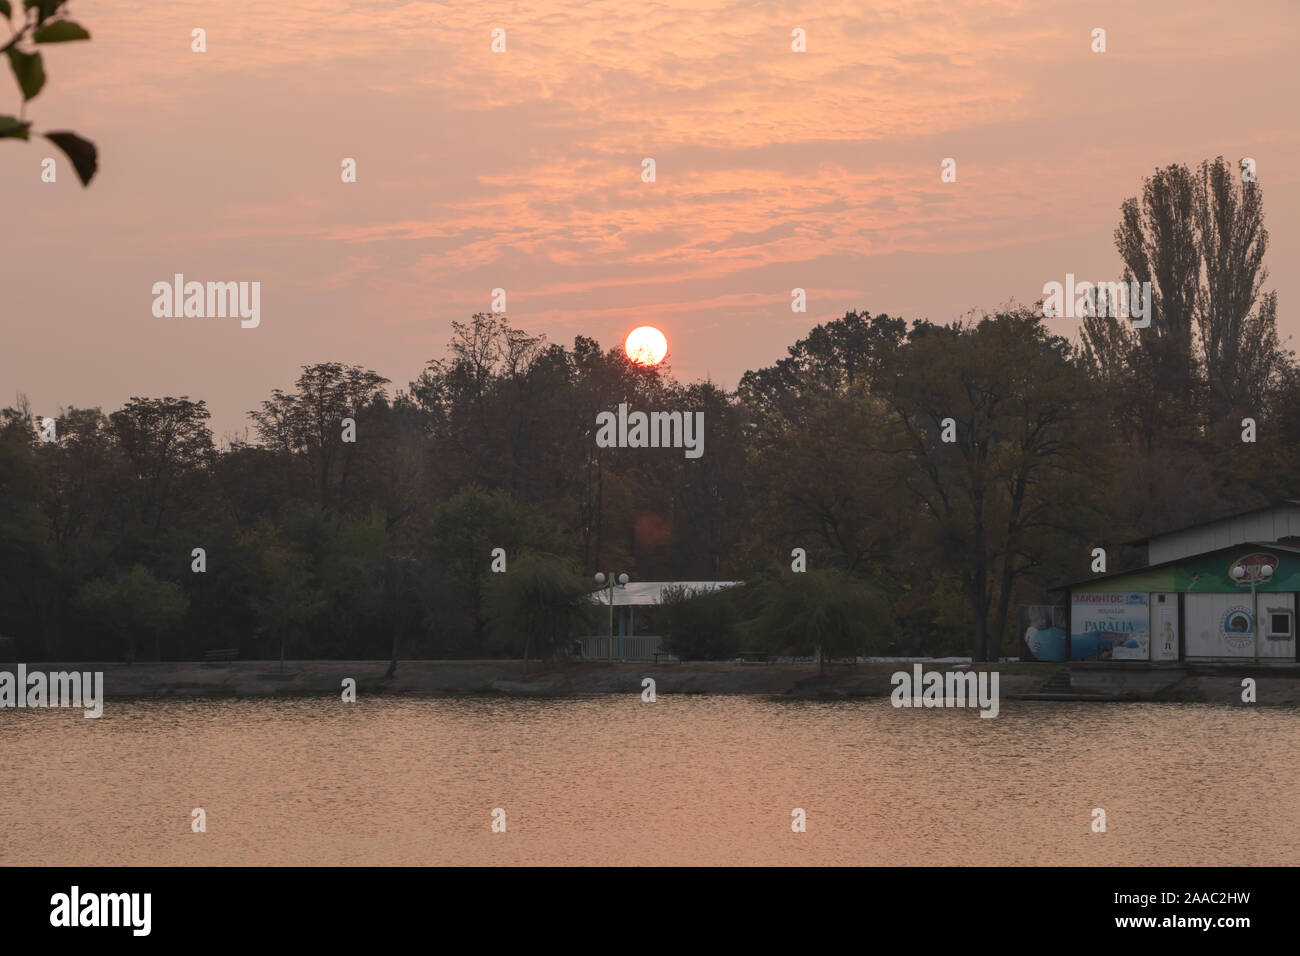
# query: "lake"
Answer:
x=612 y=780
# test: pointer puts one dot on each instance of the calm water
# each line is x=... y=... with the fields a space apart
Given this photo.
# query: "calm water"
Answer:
x=685 y=780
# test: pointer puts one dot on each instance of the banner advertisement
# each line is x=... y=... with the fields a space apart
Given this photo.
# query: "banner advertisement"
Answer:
x=1107 y=625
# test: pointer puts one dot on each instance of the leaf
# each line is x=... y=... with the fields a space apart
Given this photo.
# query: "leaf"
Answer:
x=82 y=152
x=60 y=31
x=44 y=8
x=28 y=70
x=13 y=128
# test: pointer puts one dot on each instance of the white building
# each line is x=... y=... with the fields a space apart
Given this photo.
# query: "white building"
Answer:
x=1225 y=590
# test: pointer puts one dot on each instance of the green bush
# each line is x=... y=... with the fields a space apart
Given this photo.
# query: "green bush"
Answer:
x=699 y=624
x=827 y=613
x=540 y=606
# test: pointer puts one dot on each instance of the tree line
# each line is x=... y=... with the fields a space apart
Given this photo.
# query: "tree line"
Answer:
x=935 y=476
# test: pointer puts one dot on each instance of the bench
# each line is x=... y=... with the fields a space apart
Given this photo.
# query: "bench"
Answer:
x=223 y=654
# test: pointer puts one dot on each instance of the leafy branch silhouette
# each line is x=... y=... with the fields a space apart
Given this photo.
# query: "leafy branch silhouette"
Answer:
x=42 y=21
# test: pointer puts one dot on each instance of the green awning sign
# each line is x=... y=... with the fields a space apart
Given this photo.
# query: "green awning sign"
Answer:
x=1216 y=574
x=1210 y=574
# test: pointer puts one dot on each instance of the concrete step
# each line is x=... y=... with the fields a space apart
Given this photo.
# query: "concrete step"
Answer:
x=1122 y=681
x=1058 y=683
x=1112 y=680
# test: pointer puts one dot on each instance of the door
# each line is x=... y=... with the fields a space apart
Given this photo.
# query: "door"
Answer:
x=1164 y=642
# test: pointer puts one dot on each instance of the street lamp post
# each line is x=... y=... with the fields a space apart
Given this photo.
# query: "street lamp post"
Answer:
x=601 y=578
x=1265 y=572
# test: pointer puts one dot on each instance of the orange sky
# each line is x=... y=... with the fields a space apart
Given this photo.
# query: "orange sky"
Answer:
x=522 y=170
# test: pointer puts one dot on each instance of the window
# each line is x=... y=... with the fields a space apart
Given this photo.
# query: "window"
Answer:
x=1279 y=624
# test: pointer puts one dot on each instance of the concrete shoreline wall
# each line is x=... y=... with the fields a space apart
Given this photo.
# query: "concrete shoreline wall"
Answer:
x=1222 y=684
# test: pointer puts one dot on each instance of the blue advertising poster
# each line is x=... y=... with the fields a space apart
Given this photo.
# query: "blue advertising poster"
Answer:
x=1107 y=625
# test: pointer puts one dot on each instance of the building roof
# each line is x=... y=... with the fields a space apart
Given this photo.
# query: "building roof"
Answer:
x=641 y=593
x=1201 y=524
x=1274 y=545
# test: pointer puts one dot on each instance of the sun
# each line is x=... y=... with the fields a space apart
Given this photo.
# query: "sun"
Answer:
x=646 y=345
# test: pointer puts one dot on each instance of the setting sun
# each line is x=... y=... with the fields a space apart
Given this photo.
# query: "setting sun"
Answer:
x=646 y=345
